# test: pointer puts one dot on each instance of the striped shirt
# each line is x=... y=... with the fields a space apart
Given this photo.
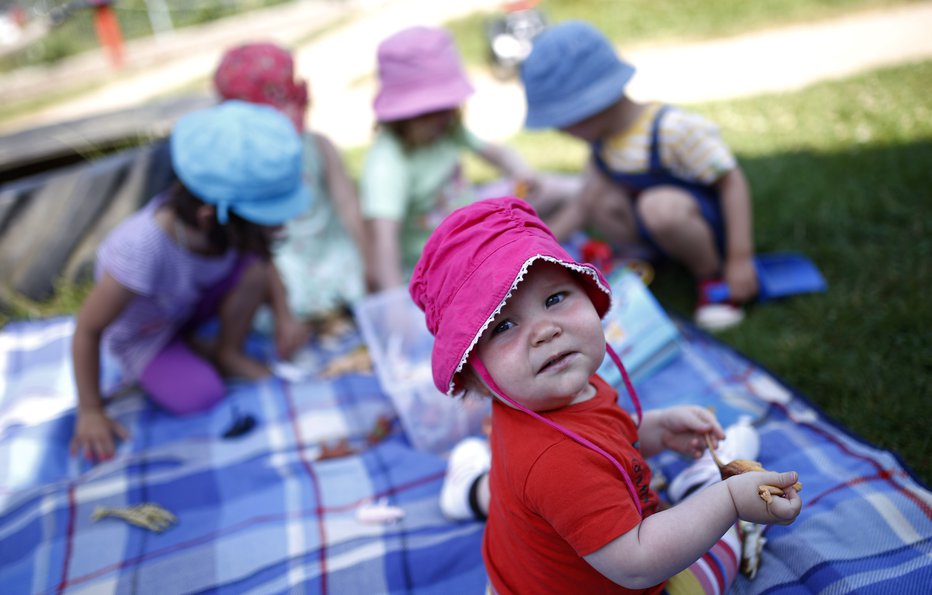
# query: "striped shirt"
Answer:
x=691 y=146
x=168 y=282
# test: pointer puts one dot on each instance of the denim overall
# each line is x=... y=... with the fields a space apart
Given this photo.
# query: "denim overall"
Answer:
x=658 y=175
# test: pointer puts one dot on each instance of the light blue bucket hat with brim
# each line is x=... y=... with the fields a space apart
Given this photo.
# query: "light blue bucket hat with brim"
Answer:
x=572 y=73
x=242 y=157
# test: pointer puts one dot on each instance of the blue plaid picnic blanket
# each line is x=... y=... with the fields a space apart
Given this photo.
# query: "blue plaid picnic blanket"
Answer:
x=265 y=512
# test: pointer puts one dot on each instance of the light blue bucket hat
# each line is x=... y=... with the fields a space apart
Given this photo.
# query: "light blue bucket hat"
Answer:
x=242 y=157
x=572 y=73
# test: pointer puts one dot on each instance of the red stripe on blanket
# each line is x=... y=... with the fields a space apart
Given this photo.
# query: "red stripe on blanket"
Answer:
x=315 y=485
x=69 y=538
x=882 y=474
x=256 y=520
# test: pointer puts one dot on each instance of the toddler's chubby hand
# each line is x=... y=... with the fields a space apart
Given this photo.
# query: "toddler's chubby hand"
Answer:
x=745 y=493
x=684 y=429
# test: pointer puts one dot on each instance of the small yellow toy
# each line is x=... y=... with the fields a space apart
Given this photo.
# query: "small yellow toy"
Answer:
x=739 y=466
x=147 y=515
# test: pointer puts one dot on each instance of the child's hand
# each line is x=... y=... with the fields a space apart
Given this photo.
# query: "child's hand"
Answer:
x=741 y=277
x=745 y=493
x=528 y=186
x=684 y=429
x=290 y=335
x=93 y=435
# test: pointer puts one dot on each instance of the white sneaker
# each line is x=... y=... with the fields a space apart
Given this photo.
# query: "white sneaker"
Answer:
x=741 y=442
x=468 y=460
x=718 y=317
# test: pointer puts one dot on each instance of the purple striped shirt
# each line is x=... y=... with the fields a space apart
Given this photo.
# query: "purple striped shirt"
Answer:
x=167 y=279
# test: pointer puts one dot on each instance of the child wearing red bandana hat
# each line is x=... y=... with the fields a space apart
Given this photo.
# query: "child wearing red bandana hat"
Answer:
x=321 y=254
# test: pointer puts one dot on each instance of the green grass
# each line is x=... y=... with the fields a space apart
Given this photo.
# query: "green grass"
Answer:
x=67 y=299
x=76 y=33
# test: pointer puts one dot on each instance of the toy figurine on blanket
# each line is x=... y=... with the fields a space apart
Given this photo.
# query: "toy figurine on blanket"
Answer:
x=517 y=320
x=147 y=515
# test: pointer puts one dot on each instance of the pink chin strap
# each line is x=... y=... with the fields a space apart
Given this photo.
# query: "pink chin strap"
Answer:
x=484 y=374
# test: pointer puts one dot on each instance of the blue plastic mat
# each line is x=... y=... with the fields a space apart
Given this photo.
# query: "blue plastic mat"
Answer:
x=780 y=275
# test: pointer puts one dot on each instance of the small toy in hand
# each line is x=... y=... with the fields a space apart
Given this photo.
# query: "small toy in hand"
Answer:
x=147 y=515
x=739 y=466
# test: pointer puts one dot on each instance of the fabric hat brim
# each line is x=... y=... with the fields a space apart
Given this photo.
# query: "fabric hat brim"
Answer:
x=278 y=210
x=409 y=101
x=517 y=256
x=560 y=112
x=242 y=157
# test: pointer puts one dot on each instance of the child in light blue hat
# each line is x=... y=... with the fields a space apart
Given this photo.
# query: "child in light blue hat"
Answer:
x=199 y=250
x=657 y=173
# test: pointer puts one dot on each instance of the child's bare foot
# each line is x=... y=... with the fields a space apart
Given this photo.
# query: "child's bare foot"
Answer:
x=237 y=364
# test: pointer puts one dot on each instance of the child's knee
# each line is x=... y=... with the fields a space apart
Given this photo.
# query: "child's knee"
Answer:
x=192 y=393
x=665 y=209
x=182 y=382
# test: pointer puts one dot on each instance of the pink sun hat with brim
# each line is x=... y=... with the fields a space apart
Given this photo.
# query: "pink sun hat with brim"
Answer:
x=419 y=72
x=469 y=268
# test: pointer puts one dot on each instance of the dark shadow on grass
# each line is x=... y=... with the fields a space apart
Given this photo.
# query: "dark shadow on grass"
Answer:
x=863 y=350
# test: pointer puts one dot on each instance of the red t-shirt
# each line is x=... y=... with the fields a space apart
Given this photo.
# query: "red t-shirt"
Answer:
x=555 y=500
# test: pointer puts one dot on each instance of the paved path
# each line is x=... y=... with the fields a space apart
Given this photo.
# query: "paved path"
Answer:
x=340 y=62
x=777 y=60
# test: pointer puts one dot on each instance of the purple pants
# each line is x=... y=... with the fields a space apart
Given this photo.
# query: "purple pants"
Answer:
x=178 y=379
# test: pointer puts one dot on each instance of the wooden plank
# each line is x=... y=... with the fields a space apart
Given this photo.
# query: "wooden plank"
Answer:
x=36 y=248
x=149 y=173
x=26 y=152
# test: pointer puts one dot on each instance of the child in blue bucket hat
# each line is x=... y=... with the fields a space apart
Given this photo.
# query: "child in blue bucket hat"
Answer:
x=657 y=172
x=199 y=250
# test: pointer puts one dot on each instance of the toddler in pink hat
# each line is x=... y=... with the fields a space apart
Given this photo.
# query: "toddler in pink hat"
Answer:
x=413 y=172
x=515 y=318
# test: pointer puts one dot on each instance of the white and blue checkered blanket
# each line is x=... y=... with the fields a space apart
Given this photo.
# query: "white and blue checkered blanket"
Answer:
x=265 y=513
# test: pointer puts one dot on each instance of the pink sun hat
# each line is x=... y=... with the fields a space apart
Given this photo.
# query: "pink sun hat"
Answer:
x=469 y=268
x=419 y=72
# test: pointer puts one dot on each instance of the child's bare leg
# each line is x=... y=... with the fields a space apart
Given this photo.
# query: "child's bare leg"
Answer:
x=604 y=206
x=675 y=223
x=612 y=215
x=236 y=314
